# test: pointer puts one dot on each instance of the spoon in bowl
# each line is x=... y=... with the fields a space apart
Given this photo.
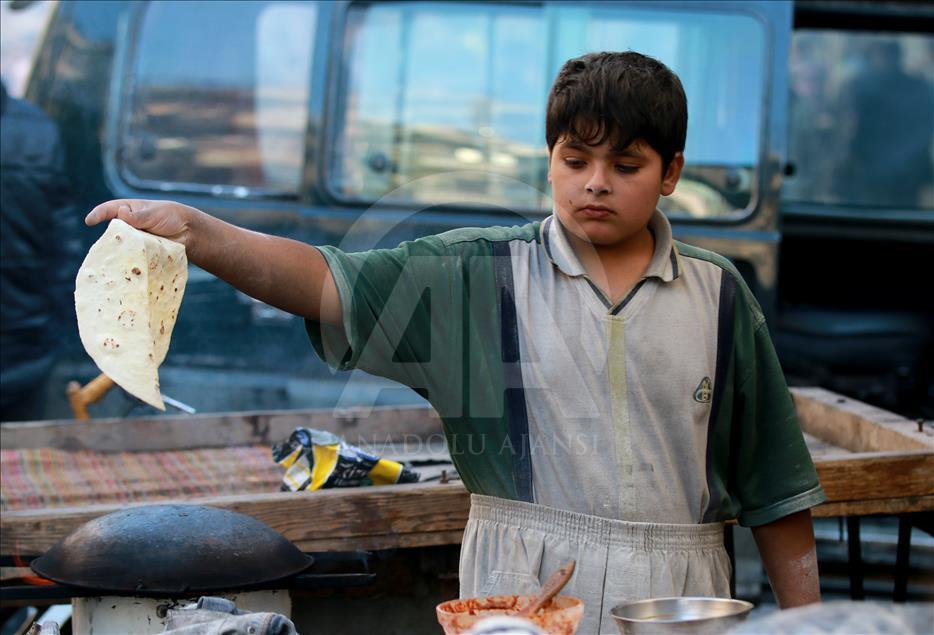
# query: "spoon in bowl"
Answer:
x=553 y=584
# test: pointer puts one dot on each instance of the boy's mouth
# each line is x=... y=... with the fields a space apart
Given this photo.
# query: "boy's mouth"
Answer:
x=596 y=211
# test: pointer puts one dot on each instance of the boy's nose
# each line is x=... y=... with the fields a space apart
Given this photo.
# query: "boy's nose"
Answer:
x=598 y=183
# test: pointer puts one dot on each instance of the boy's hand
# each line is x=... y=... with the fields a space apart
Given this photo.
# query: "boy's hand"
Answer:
x=163 y=218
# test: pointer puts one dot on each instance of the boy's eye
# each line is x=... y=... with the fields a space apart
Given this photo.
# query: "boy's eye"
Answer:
x=573 y=163
x=627 y=169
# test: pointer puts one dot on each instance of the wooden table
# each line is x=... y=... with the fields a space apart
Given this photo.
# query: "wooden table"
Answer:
x=869 y=461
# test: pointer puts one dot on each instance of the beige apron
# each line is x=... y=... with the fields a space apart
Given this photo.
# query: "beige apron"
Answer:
x=511 y=547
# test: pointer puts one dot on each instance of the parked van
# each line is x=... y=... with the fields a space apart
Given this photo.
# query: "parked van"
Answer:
x=364 y=124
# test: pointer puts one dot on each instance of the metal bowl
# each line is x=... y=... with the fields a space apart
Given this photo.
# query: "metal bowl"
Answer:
x=699 y=616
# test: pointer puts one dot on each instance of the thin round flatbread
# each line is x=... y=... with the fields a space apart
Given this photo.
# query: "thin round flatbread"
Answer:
x=127 y=295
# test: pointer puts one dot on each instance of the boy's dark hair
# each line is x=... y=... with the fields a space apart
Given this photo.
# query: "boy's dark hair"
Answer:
x=621 y=97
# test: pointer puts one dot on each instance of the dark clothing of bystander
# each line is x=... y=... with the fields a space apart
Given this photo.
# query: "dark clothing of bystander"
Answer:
x=36 y=235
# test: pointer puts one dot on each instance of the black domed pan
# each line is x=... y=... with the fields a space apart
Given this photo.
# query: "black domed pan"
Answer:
x=171 y=549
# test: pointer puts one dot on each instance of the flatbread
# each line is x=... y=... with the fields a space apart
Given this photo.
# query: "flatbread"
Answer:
x=127 y=297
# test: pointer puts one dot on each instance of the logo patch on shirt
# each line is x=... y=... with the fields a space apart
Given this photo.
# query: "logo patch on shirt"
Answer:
x=704 y=391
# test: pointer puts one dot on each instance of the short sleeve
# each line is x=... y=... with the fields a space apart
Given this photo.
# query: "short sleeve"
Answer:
x=397 y=310
x=774 y=475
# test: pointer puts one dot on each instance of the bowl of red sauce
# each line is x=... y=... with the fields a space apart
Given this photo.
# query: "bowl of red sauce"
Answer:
x=559 y=617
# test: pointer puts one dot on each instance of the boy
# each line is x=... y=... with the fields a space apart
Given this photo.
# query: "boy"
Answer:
x=608 y=394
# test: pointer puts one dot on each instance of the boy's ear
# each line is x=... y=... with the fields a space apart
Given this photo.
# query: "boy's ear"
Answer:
x=672 y=174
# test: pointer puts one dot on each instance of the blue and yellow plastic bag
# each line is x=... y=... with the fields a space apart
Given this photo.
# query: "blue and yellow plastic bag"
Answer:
x=316 y=459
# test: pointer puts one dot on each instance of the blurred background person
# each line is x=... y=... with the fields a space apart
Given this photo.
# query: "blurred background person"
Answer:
x=812 y=122
x=883 y=107
x=35 y=258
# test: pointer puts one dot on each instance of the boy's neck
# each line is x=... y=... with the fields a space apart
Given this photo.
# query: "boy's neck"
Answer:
x=616 y=268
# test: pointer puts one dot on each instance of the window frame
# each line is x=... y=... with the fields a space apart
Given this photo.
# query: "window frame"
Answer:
x=120 y=103
x=853 y=19
x=767 y=140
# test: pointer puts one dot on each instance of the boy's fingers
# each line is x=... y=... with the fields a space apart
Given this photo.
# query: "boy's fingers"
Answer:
x=121 y=208
x=103 y=212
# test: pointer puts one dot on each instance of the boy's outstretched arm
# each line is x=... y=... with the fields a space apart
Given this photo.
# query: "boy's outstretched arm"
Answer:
x=285 y=273
x=790 y=557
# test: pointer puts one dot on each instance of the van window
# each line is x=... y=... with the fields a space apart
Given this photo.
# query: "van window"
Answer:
x=217 y=96
x=445 y=103
x=861 y=124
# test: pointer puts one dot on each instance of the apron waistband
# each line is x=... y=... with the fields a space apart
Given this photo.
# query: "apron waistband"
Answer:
x=578 y=527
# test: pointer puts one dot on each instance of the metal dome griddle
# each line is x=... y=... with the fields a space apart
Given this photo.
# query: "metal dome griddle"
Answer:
x=171 y=550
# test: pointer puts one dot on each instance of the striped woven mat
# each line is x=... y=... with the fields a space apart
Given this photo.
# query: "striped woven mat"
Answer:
x=40 y=478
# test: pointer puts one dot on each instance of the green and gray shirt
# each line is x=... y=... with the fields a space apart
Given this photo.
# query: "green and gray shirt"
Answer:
x=668 y=406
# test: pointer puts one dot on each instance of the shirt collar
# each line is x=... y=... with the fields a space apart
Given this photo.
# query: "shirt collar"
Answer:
x=665 y=264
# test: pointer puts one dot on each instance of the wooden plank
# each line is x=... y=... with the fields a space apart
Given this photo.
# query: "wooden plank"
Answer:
x=359 y=426
x=834 y=419
x=886 y=506
x=877 y=475
x=431 y=514
x=856 y=426
x=336 y=519
x=896 y=480
x=19 y=528
x=376 y=542
x=818 y=448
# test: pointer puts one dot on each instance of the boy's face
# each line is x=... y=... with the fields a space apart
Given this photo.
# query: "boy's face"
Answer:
x=606 y=197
